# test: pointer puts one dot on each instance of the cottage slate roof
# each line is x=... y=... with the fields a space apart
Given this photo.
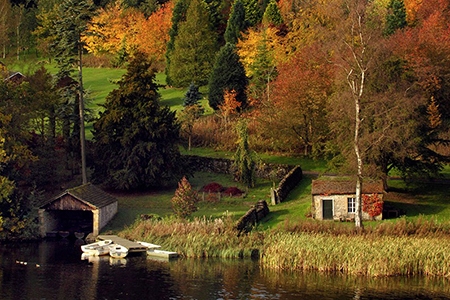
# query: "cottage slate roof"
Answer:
x=88 y=194
x=341 y=187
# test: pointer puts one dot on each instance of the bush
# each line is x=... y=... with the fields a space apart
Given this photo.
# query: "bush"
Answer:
x=212 y=187
x=233 y=191
x=185 y=199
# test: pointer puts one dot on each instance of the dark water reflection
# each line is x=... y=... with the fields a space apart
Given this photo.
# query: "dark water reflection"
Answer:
x=54 y=270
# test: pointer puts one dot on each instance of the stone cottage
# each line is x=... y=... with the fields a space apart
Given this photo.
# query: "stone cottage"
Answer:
x=335 y=200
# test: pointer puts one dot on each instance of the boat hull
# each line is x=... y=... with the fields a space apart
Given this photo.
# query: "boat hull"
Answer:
x=118 y=251
x=97 y=248
x=162 y=254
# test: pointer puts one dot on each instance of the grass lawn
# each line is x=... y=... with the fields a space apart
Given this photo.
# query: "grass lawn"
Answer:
x=132 y=205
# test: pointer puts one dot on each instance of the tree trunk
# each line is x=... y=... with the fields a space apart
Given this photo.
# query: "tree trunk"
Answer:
x=81 y=108
x=358 y=204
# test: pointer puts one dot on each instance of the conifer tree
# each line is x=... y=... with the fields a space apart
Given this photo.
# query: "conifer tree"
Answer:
x=243 y=158
x=272 y=14
x=135 y=138
x=69 y=28
x=253 y=13
x=396 y=19
x=228 y=75
x=195 y=48
x=236 y=23
x=192 y=95
x=178 y=16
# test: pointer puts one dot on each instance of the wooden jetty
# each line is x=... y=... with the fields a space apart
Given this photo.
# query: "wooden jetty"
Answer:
x=131 y=246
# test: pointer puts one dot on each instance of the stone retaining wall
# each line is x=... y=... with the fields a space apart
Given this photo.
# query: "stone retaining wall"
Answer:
x=225 y=166
x=253 y=216
x=286 y=185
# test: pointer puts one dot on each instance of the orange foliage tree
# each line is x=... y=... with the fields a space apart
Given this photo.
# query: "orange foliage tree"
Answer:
x=153 y=33
x=229 y=105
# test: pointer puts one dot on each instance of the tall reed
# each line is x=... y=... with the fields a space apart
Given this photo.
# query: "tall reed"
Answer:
x=202 y=237
x=369 y=255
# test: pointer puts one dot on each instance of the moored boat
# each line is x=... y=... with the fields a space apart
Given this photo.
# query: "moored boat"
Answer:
x=97 y=248
x=118 y=251
x=162 y=254
x=148 y=245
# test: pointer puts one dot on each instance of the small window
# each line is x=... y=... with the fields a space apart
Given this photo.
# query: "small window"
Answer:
x=351 y=205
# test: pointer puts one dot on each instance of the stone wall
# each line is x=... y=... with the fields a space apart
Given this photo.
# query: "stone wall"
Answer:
x=253 y=216
x=225 y=166
x=286 y=185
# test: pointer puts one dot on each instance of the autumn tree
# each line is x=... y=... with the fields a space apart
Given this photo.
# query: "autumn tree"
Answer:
x=115 y=31
x=229 y=106
x=153 y=34
x=135 y=138
x=296 y=117
x=185 y=199
x=228 y=74
x=423 y=52
x=194 y=49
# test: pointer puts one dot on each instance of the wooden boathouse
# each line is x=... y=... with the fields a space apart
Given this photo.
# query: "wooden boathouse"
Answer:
x=86 y=209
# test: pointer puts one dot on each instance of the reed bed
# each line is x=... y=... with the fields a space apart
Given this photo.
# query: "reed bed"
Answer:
x=368 y=255
x=420 y=227
x=202 y=237
x=405 y=248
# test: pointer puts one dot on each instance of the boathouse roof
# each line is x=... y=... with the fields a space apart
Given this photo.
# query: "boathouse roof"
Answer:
x=88 y=194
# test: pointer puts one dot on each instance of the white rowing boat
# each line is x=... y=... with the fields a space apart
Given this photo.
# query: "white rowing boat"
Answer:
x=148 y=245
x=118 y=251
x=162 y=254
x=97 y=248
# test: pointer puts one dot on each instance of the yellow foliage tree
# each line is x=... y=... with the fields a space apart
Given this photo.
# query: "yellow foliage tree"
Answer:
x=250 y=45
x=114 y=29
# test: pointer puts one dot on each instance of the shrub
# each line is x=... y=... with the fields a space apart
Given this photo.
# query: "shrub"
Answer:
x=212 y=187
x=185 y=199
x=233 y=191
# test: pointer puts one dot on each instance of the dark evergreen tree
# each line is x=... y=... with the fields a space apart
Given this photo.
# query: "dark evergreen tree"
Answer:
x=396 y=18
x=236 y=23
x=135 y=138
x=192 y=95
x=72 y=23
x=195 y=48
x=228 y=74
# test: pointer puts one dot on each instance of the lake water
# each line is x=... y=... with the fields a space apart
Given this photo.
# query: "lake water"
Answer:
x=55 y=270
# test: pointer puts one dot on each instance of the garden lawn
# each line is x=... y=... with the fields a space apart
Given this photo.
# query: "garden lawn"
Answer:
x=133 y=205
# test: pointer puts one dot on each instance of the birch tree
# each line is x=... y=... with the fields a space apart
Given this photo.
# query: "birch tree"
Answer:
x=355 y=48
